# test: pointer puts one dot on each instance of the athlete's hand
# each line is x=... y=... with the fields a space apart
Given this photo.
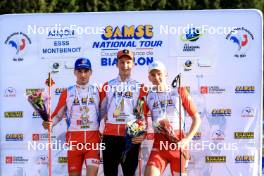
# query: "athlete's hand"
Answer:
x=138 y=139
x=183 y=145
x=102 y=124
x=47 y=124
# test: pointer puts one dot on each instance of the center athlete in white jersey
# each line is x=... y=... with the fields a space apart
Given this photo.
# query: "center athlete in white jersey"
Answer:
x=119 y=97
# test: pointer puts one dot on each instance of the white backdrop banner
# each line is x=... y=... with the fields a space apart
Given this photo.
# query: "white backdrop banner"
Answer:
x=217 y=52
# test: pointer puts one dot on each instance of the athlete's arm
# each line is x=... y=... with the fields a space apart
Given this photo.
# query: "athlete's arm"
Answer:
x=103 y=102
x=59 y=112
x=191 y=110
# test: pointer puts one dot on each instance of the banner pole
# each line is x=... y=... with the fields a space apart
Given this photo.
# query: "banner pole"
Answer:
x=49 y=129
x=180 y=121
x=176 y=83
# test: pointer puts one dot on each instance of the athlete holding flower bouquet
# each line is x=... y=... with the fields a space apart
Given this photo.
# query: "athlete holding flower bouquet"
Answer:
x=38 y=101
x=135 y=128
x=163 y=105
x=79 y=106
x=119 y=98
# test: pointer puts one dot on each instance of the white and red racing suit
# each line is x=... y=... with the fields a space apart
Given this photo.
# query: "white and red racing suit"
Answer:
x=73 y=102
x=123 y=95
x=118 y=100
x=166 y=104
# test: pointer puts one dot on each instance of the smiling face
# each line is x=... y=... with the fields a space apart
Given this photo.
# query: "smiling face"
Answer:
x=125 y=65
x=157 y=78
x=82 y=76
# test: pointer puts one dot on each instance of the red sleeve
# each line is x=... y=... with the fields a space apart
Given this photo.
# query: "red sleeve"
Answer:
x=61 y=104
x=187 y=101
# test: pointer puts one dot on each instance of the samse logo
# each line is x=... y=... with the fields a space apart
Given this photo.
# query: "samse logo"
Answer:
x=128 y=32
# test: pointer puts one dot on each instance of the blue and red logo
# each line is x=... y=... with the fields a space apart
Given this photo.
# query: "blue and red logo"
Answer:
x=19 y=41
x=240 y=41
x=242 y=38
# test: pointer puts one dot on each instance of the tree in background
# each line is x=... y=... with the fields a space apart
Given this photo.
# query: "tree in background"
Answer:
x=38 y=6
x=47 y=6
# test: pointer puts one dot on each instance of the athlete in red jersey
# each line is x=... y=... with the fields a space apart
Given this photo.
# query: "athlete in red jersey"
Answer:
x=163 y=105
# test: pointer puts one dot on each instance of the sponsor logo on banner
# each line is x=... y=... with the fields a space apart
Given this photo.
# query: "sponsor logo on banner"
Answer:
x=245 y=89
x=244 y=135
x=16 y=160
x=62 y=159
x=204 y=89
x=221 y=112
x=58 y=91
x=9 y=159
x=197 y=136
x=242 y=39
x=10 y=92
x=248 y=112
x=245 y=159
x=190 y=36
x=15 y=137
x=41 y=137
x=188 y=65
x=33 y=90
x=61 y=41
x=42 y=159
x=35 y=115
x=19 y=43
x=218 y=135
x=14 y=114
x=215 y=159
x=211 y=90
x=138 y=38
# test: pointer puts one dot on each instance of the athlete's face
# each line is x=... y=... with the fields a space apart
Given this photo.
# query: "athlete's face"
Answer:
x=157 y=77
x=83 y=76
x=125 y=65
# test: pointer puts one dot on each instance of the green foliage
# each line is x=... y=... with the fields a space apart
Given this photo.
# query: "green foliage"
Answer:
x=48 y=6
